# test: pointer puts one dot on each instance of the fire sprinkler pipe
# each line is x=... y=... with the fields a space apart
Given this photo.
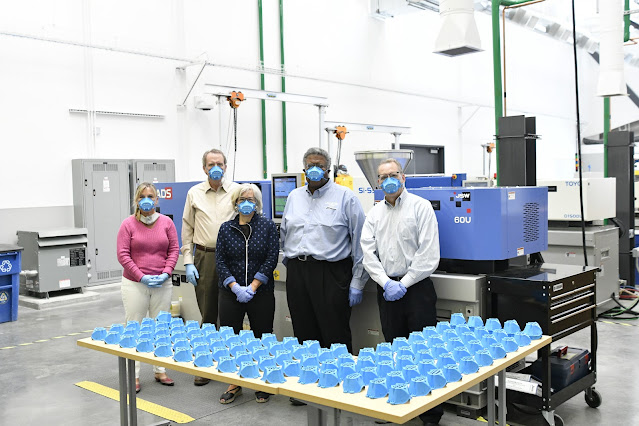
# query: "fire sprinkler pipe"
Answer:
x=626 y=21
x=498 y=91
x=606 y=100
x=261 y=28
x=284 y=141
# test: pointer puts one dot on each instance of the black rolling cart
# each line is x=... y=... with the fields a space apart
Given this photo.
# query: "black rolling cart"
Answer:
x=562 y=299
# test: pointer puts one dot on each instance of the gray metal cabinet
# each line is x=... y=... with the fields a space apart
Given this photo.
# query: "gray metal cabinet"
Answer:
x=602 y=251
x=101 y=201
x=153 y=171
x=53 y=259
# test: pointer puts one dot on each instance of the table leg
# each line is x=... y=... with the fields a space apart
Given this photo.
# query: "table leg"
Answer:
x=348 y=421
x=491 y=401
x=337 y=417
x=124 y=421
x=133 y=415
x=315 y=416
x=502 y=397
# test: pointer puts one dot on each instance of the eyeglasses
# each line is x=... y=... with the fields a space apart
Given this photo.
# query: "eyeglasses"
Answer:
x=242 y=199
x=395 y=175
x=321 y=166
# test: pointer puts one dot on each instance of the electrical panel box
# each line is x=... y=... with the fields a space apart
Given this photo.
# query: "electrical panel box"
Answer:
x=101 y=201
x=53 y=259
x=152 y=171
x=599 y=197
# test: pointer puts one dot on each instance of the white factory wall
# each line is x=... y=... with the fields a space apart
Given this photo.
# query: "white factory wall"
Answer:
x=324 y=41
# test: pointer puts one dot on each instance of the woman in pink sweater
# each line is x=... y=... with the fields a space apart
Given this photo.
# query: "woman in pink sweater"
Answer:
x=148 y=251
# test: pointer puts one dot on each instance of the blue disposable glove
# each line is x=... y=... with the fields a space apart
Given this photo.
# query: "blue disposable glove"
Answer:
x=158 y=280
x=191 y=274
x=244 y=294
x=394 y=290
x=147 y=279
x=354 y=296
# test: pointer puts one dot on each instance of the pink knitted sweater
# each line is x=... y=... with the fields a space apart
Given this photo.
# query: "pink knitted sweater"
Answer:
x=147 y=251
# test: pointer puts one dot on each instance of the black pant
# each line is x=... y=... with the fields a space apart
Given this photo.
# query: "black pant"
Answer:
x=206 y=291
x=317 y=295
x=260 y=310
x=412 y=312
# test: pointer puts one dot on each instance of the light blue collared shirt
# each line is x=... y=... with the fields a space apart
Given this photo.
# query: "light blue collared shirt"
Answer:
x=326 y=225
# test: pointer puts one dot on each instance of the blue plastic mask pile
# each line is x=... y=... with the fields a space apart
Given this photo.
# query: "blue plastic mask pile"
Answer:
x=407 y=368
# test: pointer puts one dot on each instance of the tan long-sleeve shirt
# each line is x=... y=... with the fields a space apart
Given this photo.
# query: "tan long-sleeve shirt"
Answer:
x=204 y=211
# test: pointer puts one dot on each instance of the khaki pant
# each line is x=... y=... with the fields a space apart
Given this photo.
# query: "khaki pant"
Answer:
x=140 y=300
x=207 y=288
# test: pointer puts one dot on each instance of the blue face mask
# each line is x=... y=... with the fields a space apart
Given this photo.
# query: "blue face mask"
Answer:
x=216 y=173
x=314 y=174
x=246 y=207
x=391 y=185
x=146 y=204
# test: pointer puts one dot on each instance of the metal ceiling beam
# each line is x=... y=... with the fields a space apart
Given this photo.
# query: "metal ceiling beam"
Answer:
x=359 y=127
x=215 y=90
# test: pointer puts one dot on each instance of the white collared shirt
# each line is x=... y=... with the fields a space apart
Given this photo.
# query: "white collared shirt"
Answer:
x=401 y=240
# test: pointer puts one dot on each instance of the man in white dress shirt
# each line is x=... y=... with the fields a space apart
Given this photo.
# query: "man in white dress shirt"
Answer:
x=400 y=241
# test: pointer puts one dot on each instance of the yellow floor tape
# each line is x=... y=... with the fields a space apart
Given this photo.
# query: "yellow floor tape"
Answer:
x=619 y=323
x=481 y=419
x=141 y=404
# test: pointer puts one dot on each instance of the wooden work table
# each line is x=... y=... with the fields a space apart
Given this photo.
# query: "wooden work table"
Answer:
x=332 y=399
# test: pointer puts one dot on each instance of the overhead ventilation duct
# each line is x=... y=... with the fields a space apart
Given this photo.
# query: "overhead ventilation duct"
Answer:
x=458 y=34
x=611 y=73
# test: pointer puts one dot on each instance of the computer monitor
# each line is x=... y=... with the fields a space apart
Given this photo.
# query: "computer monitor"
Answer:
x=283 y=184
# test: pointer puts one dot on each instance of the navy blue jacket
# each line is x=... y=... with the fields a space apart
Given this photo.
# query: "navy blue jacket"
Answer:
x=240 y=259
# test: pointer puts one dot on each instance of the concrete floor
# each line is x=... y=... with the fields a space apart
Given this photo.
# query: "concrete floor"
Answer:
x=38 y=378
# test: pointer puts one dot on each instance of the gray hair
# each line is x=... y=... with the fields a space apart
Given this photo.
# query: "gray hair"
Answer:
x=394 y=161
x=318 y=151
x=212 y=151
x=244 y=187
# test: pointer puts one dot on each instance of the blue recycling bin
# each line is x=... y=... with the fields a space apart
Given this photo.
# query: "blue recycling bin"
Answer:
x=10 y=267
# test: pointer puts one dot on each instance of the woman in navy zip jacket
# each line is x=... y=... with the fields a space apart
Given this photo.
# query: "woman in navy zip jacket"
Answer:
x=246 y=255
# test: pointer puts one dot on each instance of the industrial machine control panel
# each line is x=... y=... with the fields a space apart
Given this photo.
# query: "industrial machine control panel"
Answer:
x=489 y=223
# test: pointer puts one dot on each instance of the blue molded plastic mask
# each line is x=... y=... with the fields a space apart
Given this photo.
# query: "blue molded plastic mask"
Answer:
x=315 y=174
x=246 y=207
x=146 y=204
x=391 y=185
x=216 y=173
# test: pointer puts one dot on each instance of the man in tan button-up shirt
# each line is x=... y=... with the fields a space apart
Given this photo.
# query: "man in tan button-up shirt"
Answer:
x=207 y=206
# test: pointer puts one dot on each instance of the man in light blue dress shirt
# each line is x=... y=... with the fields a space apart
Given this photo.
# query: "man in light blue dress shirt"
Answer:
x=400 y=241
x=320 y=233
